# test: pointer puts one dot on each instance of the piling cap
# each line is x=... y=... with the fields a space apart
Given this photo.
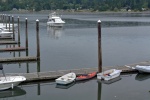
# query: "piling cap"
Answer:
x=37 y=20
x=99 y=21
x=26 y=18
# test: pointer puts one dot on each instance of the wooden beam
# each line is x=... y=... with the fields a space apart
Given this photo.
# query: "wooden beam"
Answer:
x=13 y=49
x=18 y=59
x=8 y=42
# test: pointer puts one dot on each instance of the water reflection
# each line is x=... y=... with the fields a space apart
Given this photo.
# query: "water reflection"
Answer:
x=99 y=91
x=142 y=76
x=110 y=81
x=65 y=86
x=55 y=32
x=17 y=91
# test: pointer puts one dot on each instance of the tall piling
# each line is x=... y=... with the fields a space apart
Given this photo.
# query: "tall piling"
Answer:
x=13 y=28
x=3 y=19
x=6 y=21
x=38 y=40
x=99 y=48
x=26 y=32
x=9 y=22
x=18 y=31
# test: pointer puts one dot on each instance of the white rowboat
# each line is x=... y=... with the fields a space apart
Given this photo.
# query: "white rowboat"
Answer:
x=66 y=79
x=109 y=74
x=143 y=69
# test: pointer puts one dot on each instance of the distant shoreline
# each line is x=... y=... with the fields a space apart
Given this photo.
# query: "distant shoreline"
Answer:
x=73 y=12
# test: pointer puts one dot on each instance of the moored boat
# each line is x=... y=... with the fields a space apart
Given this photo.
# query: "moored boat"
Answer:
x=143 y=69
x=86 y=76
x=55 y=20
x=66 y=79
x=7 y=82
x=109 y=74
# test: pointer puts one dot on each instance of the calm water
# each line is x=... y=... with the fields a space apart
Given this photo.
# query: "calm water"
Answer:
x=125 y=40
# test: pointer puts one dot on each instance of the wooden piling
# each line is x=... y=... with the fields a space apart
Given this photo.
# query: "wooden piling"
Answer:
x=38 y=40
x=18 y=32
x=3 y=19
x=6 y=22
x=13 y=28
x=99 y=48
x=9 y=23
x=26 y=32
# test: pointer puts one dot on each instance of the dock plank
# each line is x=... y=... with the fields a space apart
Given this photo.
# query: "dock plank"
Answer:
x=8 y=42
x=18 y=59
x=13 y=49
x=6 y=38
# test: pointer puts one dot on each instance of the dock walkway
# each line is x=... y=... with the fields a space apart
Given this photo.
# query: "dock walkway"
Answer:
x=51 y=75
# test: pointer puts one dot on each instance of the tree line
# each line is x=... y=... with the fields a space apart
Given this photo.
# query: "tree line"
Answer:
x=93 y=5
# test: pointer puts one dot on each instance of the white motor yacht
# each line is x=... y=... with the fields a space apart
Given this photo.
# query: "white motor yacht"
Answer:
x=55 y=20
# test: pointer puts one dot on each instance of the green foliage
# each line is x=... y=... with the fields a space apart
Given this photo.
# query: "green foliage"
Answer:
x=100 y=5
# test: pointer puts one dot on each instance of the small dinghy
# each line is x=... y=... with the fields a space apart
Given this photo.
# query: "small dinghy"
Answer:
x=66 y=79
x=86 y=76
x=143 y=69
x=109 y=74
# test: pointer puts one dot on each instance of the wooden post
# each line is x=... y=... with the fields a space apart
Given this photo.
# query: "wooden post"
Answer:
x=9 y=23
x=6 y=22
x=26 y=32
x=3 y=19
x=0 y=18
x=99 y=48
x=13 y=27
x=38 y=40
x=18 y=32
x=38 y=66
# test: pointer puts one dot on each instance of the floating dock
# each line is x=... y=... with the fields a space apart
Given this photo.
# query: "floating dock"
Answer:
x=8 y=42
x=18 y=59
x=13 y=49
x=51 y=75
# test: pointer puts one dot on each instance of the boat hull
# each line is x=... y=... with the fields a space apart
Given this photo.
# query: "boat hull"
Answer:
x=66 y=79
x=55 y=24
x=143 y=69
x=85 y=76
x=106 y=76
x=10 y=81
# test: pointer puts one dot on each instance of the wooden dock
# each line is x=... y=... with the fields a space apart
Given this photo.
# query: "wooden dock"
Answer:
x=17 y=59
x=51 y=75
x=5 y=38
x=8 y=42
x=13 y=49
